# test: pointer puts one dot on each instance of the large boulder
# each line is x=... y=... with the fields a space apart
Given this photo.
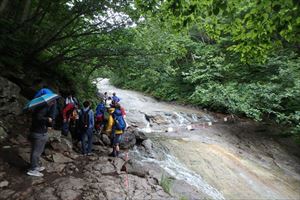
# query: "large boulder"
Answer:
x=140 y=136
x=128 y=140
x=11 y=103
x=64 y=145
x=136 y=168
x=60 y=158
x=147 y=144
x=54 y=135
x=9 y=98
x=132 y=137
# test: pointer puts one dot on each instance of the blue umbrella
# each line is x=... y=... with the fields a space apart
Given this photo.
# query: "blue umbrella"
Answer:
x=39 y=101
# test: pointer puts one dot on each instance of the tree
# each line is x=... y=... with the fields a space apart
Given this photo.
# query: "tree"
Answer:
x=252 y=29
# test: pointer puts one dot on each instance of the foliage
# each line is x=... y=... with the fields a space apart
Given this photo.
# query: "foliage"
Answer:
x=65 y=39
x=206 y=74
x=250 y=28
x=166 y=183
x=183 y=198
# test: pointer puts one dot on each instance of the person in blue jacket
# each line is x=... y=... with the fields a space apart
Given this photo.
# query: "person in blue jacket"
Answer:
x=115 y=98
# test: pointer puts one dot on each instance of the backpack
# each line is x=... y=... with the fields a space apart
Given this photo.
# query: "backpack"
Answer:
x=119 y=121
x=84 y=119
x=100 y=109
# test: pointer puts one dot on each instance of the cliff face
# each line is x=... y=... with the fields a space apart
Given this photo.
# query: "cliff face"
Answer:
x=11 y=104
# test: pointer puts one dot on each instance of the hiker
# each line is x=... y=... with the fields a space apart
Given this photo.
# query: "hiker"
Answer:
x=115 y=98
x=108 y=102
x=119 y=126
x=114 y=104
x=105 y=97
x=71 y=99
x=42 y=118
x=66 y=113
x=100 y=108
x=108 y=117
x=73 y=127
x=99 y=117
x=86 y=125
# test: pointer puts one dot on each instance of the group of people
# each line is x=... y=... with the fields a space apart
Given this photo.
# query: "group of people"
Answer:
x=81 y=122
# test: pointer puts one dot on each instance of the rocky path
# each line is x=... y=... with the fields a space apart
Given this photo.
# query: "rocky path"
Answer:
x=71 y=176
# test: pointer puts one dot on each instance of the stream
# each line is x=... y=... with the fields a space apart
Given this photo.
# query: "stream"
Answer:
x=222 y=157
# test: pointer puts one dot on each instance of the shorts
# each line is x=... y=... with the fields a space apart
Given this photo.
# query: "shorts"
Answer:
x=117 y=139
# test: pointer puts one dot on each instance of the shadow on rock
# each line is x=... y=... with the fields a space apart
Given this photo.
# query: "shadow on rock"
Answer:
x=12 y=157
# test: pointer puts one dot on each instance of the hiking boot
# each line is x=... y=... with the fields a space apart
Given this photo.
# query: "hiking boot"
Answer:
x=35 y=173
x=39 y=169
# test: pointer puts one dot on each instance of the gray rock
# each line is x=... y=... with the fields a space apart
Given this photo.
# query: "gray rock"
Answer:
x=47 y=193
x=118 y=163
x=2 y=174
x=71 y=168
x=3 y=134
x=9 y=98
x=3 y=184
x=139 y=188
x=64 y=145
x=55 y=167
x=158 y=119
x=5 y=194
x=156 y=172
x=37 y=181
x=140 y=136
x=59 y=158
x=73 y=155
x=54 y=135
x=136 y=168
x=24 y=155
x=97 y=140
x=148 y=145
x=22 y=140
x=106 y=168
x=69 y=188
x=182 y=189
x=128 y=140
x=105 y=139
x=101 y=150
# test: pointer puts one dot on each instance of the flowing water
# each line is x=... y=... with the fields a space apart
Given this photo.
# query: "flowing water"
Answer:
x=221 y=158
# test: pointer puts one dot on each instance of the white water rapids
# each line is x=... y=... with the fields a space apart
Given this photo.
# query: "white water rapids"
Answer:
x=224 y=160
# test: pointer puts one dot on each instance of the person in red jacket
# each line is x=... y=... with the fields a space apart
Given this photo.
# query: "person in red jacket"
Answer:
x=67 y=113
